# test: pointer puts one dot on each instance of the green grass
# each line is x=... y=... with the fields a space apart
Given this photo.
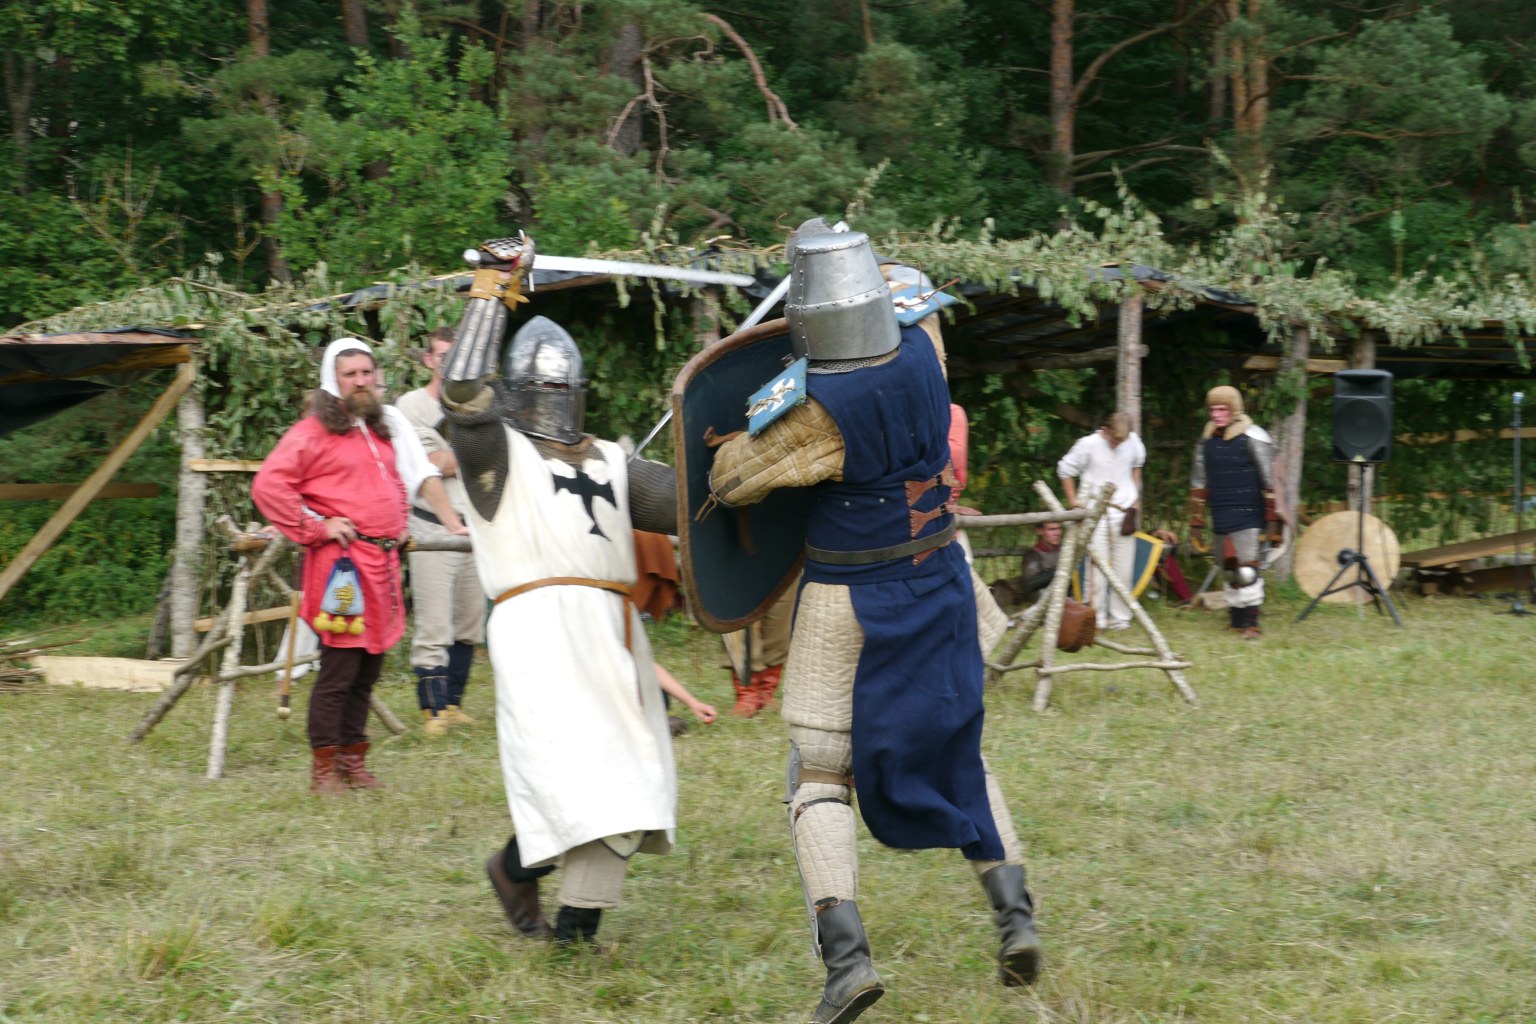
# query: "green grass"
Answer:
x=1344 y=831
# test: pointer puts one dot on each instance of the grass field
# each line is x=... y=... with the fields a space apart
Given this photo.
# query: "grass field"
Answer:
x=1343 y=831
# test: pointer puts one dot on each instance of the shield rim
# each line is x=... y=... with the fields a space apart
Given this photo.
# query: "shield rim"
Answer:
x=698 y=362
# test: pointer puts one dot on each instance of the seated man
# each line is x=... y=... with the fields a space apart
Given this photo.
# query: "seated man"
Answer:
x=1035 y=571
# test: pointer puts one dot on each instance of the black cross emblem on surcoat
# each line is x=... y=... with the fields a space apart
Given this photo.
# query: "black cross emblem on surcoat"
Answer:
x=586 y=488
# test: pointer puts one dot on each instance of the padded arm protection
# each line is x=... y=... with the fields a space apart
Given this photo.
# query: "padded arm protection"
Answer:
x=652 y=496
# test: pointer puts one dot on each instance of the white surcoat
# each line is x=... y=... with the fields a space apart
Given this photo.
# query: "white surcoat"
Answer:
x=580 y=720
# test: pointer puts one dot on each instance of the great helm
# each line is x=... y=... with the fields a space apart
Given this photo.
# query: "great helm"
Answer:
x=839 y=306
x=543 y=372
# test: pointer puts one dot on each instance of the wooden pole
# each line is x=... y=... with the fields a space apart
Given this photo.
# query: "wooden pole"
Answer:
x=1168 y=661
x=219 y=743
x=191 y=494
x=1291 y=433
x=1074 y=539
x=55 y=527
x=1128 y=360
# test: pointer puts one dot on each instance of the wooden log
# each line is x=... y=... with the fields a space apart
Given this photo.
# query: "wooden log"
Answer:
x=1291 y=434
x=54 y=528
x=191 y=500
x=248 y=619
x=218 y=744
x=1022 y=519
x=1087 y=666
x=202 y=465
x=1128 y=355
x=386 y=716
x=271 y=668
x=1272 y=363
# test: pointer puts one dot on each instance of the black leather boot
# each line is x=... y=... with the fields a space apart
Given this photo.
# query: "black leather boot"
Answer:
x=1014 y=913
x=578 y=924
x=852 y=984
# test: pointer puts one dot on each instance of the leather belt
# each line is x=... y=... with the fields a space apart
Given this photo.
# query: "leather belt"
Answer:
x=387 y=543
x=871 y=555
x=622 y=589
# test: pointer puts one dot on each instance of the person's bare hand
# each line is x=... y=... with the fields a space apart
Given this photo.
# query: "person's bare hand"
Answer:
x=341 y=530
x=703 y=712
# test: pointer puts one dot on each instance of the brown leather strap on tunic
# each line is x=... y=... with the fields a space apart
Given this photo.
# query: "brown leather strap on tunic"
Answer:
x=622 y=589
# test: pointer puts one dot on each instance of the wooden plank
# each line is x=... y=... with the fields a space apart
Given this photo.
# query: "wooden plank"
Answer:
x=55 y=527
x=251 y=618
x=1313 y=365
x=224 y=465
x=1505 y=434
x=59 y=492
x=108 y=673
x=1450 y=554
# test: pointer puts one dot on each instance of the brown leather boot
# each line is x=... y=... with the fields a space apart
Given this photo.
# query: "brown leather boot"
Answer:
x=323 y=777
x=519 y=900
x=765 y=684
x=349 y=763
x=746 y=698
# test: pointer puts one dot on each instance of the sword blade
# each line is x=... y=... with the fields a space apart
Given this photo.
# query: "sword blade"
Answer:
x=624 y=268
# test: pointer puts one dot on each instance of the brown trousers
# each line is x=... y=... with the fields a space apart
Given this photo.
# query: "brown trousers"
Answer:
x=338 y=705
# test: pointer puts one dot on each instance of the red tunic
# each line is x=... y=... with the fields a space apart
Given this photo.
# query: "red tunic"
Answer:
x=350 y=475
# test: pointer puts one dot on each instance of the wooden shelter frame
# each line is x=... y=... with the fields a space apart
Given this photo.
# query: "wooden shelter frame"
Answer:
x=1077 y=527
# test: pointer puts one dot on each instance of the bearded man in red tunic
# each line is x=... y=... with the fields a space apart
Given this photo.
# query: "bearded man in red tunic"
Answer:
x=332 y=486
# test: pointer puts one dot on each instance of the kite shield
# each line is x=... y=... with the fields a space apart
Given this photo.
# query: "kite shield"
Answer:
x=736 y=562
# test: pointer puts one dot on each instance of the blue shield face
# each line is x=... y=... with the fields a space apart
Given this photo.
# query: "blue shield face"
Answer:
x=736 y=562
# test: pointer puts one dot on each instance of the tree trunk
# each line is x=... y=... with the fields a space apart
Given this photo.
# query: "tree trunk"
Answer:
x=20 y=88
x=1237 y=71
x=530 y=23
x=1291 y=437
x=258 y=32
x=1063 y=100
x=1216 y=111
x=624 y=62
x=1181 y=46
x=354 y=23
x=190 y=497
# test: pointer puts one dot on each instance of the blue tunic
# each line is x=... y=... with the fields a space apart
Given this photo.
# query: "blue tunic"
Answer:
x=1235 y=489
x=917 y=691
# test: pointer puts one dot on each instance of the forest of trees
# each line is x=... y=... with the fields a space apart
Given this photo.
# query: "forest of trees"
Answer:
x=368 y=133
x=1311 y=154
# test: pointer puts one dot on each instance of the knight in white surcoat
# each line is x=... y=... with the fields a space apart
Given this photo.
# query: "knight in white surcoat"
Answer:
x=551 y=516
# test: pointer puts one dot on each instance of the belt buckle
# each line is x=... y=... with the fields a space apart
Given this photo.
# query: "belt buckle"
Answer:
x=389 y=543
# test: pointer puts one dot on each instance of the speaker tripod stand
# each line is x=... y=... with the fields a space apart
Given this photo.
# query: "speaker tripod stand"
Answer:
x=1355 y=558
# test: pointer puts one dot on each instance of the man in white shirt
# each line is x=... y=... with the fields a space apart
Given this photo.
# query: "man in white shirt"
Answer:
x=1113 y=454
x=449 y=603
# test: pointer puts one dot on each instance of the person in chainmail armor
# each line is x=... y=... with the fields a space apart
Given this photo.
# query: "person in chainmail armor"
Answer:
x=585 y=750
x=1231 y=478
x=883 y=686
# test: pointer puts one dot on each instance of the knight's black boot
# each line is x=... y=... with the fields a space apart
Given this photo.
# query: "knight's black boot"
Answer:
x=578 y=924
x=1014 y=913
x=852 y=984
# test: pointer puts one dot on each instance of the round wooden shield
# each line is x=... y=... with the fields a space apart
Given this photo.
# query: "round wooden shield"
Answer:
x=1316 y=558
